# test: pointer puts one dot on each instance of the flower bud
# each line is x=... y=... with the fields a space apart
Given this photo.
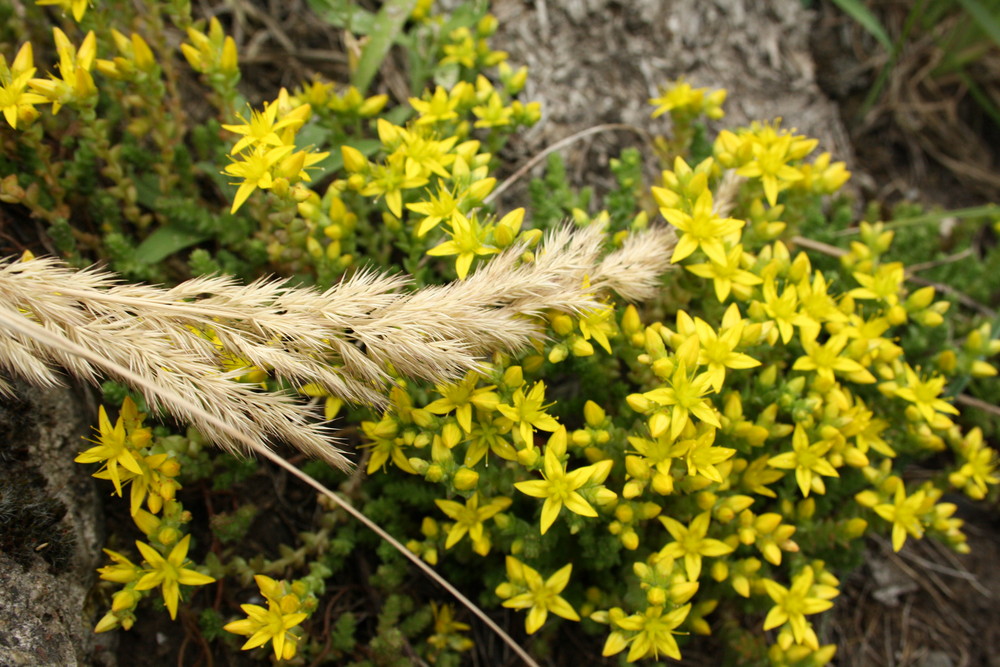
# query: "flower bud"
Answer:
x=867 y=498
x=108 y=622
x=855 y=528
x=629 y=540
x=434 y=473
x=558 y=353
x=528 y=457
x=638 y=402
x=354 y=160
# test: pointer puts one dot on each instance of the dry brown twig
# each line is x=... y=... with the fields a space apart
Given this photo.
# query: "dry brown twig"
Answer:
x=172 y=344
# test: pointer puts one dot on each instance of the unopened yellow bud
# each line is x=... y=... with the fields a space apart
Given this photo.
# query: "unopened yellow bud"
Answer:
x=513 y=377
x=920 y=299
x=512 y=221
x=654 y=344
x=355 y=182
x=855 y=528
x=581 y=347
x=108 y=622
x=528 y=457
x=632 y=489
x=658 y=424
x=372 y=105
x=867 y=498
x=800 y=267
x=123 y=600
x=930 y=318
x=682 y=591
x=767 y=523
x=638 y=402
x=896 y=315
x=807 y=508
x=593 y=414
x=487 y=25
x=663 y=483
x=480 y=189
x=354 y=160
x=562 y=324
x=636 y=466
x=629 y=540
x=705 y=500
x=605 y=497
x=768 y=376
x=981 y=369
x=631 y=323
x=168 y=535
x=503 y=236
x=451 y=435
x=314 y=248
x=558 y=353
x=855 y=457
x=656 y=596
x=625 y=513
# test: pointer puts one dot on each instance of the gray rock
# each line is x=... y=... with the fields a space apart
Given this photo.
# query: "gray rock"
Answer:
x=599 y=61
x=50 y=530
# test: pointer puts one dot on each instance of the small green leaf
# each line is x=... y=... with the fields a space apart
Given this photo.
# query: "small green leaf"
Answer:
x=166 y=241
x=344 y=14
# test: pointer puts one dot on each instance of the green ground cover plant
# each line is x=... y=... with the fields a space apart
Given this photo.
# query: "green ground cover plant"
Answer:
x=674 y=409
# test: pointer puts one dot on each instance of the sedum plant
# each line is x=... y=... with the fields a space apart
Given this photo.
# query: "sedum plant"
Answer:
x=674 y=415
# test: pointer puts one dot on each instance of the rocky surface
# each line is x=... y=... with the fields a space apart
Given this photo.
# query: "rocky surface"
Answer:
x=599 y=61
x=50 y=530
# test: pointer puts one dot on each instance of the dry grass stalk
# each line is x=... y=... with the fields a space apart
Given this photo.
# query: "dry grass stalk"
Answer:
x=175 y=344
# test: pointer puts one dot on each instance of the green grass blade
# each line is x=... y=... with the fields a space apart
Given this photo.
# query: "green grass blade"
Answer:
x=860 y=13
x=388 y=22
x=984 y=17
x=936 y=217
x=980 y=96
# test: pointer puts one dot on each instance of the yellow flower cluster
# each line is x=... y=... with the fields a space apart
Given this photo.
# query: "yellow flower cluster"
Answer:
x=683 y=102
x=287 y=606
x=432 y=169
x=127 y=453
x=212 y=54
x=265 y=156
x=470 y=49
x=750 y=411
x=73 y=85
x=323 y=98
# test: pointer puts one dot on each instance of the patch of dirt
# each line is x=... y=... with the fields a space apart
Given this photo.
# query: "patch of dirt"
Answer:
x=924 y=606
x=924 y=137
x=599 y=61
